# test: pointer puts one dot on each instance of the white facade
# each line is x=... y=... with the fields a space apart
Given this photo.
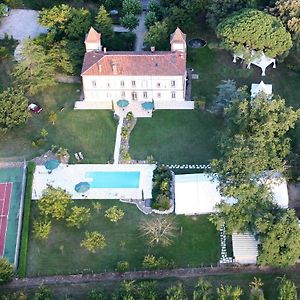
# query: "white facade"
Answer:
x=140 y=88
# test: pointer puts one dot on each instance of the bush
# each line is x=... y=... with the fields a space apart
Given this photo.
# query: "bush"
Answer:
x=6 y=270
x=122 y=266
x=26 y=220
x=199 y=104
x=114 y=214
x=150 y=262
x=41 y=229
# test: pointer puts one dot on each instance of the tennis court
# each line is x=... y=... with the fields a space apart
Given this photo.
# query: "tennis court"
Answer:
x=11 y=185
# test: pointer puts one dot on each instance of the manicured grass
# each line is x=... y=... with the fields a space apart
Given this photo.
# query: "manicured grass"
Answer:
x=90 y=131
x=196 y=243
x=176 y=136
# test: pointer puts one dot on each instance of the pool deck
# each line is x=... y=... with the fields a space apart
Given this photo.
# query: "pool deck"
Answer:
x=67 y=176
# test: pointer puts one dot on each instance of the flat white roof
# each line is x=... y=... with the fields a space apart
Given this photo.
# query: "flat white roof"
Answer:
x=66 y=177
x=244 y=248
x=198 y=194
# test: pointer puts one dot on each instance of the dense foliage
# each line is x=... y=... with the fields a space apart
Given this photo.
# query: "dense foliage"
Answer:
x=161 y=188
x=254 y=141
x=93 y=241
x=13 y=109
x=251 y=29
x=6 y=270
x=78 y=216
x=157 y=36
x=103 y=24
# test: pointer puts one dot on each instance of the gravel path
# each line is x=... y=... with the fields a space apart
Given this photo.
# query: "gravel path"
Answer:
x=140 y=33
x=116 y=276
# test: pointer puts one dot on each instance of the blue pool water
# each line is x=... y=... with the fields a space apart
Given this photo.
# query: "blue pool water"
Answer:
x=114 y=179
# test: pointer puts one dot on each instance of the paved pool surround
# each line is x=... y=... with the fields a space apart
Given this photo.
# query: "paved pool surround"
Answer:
x=67 y=176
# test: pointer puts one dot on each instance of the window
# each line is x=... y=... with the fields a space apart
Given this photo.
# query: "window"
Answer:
x=158 y=95
x=173 y=95
x=122 y=83
x=172 y=83
x=123 y=95
x=158 y=84
x=108 y=84
x=133 y=83
x=145 y=96
x=94 y=83
x=144 y=83
x=134 y=96
x=108 y=95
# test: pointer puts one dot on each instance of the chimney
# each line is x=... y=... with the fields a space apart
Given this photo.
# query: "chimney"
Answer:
x=104 y=49
x=115 y=68
x=100 y=68
x=152 y=49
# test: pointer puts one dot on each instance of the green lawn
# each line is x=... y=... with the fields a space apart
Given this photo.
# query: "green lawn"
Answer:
x=196 y=243
x=88 y=131
x=176 y=136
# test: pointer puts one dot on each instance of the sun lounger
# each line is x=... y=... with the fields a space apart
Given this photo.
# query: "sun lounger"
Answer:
x=80 y=155
x=77 y=156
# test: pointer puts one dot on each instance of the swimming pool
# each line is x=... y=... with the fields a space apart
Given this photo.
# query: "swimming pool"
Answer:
x=116 y=179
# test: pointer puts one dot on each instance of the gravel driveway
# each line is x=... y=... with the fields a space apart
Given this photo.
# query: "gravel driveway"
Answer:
x=21 y=24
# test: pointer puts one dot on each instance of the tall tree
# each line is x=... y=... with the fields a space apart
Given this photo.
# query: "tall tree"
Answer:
x=35 y=71
x=13 y=109
x=129 y=21
x=54 y=203
x=103 y=24
x=280 y=238
x=254 y=141
x=157 y=36
x=131 y=7
x=219 y=10
x=289 y=13
x=251 y=29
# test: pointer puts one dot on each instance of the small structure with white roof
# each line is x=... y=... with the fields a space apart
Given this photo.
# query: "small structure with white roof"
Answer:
x=198 y=193
x=256 y=89
x=260 y=60
x=244 y=246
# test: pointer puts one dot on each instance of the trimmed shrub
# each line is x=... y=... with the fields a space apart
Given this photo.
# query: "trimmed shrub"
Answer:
x=26 y=220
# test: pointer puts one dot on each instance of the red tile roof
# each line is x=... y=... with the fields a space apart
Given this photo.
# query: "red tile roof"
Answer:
x=124 y=63
x=177 y=36
x=93 y=36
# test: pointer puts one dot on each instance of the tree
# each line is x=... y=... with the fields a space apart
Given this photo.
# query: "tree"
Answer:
x=218 y=10
x=176 y=292
x=62 y=154
x=41 y=229
x=6 y=270
x=129 y=21
x=52 y=117
x=15 y=296
x=13 y=109
x=93 y=241
x=251 y=29
x=227 y=292
x=287 y=290
x=203 y=290
x=159 y=230
x=103 y=24
x=54 y=203
x=157 y=36
x=254 y=141
x=97 y=206
x=43 y=293
x=288 y=12
x=256 y=292
x=131 y=7
x=35 y=72
x=114 y=214
x=227 y=93
x=150 y=19
x=280 y=239
x=78 y=217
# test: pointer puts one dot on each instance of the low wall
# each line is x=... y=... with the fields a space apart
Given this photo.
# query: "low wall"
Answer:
x=174 y=104
x=93 y=105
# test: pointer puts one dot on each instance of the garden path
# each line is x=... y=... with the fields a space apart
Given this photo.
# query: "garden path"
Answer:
x=140 y=32
x=118 y=141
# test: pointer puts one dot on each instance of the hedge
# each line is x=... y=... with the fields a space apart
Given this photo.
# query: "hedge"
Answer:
x=26 y=220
